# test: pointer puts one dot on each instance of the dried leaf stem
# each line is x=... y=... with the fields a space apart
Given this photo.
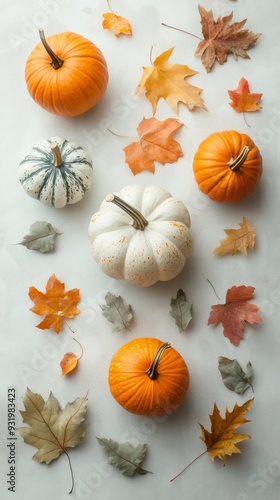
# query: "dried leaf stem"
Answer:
x=182 y=31
x=213 y=289
x=183 y=470
x=73 y=338
x=71 y=472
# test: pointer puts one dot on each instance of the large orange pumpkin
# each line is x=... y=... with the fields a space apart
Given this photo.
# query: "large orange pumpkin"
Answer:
x=148 y=377
x=66 y=74
x=227 y=166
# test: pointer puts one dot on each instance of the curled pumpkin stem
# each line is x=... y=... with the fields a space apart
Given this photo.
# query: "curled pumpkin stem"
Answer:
x=152 y=371
x=139 y=221
x=235 y=163
x=57 y=62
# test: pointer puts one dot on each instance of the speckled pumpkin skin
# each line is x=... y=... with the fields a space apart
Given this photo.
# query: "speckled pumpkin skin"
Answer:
x=158 y=253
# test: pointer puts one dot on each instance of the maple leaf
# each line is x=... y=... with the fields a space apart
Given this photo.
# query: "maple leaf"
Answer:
x=243 y=99
x=235 y=313
x=222 y=38
x=119 y=25
x=237 y=240
x=155 y=144
x=55 y=304
x=50 y=429
x=167 y=81
x=221 y=440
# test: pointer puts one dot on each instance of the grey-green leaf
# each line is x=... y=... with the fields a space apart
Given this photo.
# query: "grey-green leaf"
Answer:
x=233 y=375
x=117 y=312
x=41 y=237
x=124 y=456
x=181 y=310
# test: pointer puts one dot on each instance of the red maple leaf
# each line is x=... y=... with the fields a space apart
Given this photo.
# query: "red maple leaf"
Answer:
x=243 y=99
x=235 y=313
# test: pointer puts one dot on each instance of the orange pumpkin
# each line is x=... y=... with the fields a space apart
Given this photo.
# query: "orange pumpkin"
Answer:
x=227 y=166
x=148 y=377
x=66 y=74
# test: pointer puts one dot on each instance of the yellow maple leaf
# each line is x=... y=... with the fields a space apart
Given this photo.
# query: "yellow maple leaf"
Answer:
x=167 y=81
x=119 y=25
x=222 y=440
x=237 y=240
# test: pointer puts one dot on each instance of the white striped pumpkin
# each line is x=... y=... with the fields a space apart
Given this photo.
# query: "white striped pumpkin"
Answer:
x=56 y=172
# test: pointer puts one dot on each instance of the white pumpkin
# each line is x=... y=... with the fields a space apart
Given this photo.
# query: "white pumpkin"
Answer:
x=141 y=235
x=56 y=171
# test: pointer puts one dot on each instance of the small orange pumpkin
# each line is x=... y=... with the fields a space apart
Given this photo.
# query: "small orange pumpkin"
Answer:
x=148 y=377
x=66 y=74
x=227 y=166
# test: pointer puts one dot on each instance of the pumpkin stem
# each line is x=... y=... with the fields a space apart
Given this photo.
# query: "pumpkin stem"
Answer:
x=236 y=163
x=57 y=62
x=139 y=221
x=57 y=158
x=152 y=371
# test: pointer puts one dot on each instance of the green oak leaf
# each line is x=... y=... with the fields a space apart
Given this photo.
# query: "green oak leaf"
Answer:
x=117 y=312
x=41 y=237
x=124 y=456
x=233 y=375
x=181 y=310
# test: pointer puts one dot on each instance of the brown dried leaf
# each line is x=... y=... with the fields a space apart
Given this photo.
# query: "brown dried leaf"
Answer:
x=237 y=240
x=222 y=38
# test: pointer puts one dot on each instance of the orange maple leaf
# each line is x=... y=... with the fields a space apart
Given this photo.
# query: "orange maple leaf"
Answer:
x=119 y=25
x=55 y=304
x=167 y=81
x=155 y=144
x=235 y=313
x=221 y=440
x=243 y=99
x=237 y=240
x=222 y=38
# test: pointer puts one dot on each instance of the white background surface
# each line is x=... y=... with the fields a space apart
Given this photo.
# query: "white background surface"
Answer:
x=30 y=357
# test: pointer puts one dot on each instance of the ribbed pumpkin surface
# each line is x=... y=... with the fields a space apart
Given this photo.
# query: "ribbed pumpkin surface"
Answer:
x=142 y=257
x=213 y=174
x=75 y=87
x=132 y=387
x=56 y=186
